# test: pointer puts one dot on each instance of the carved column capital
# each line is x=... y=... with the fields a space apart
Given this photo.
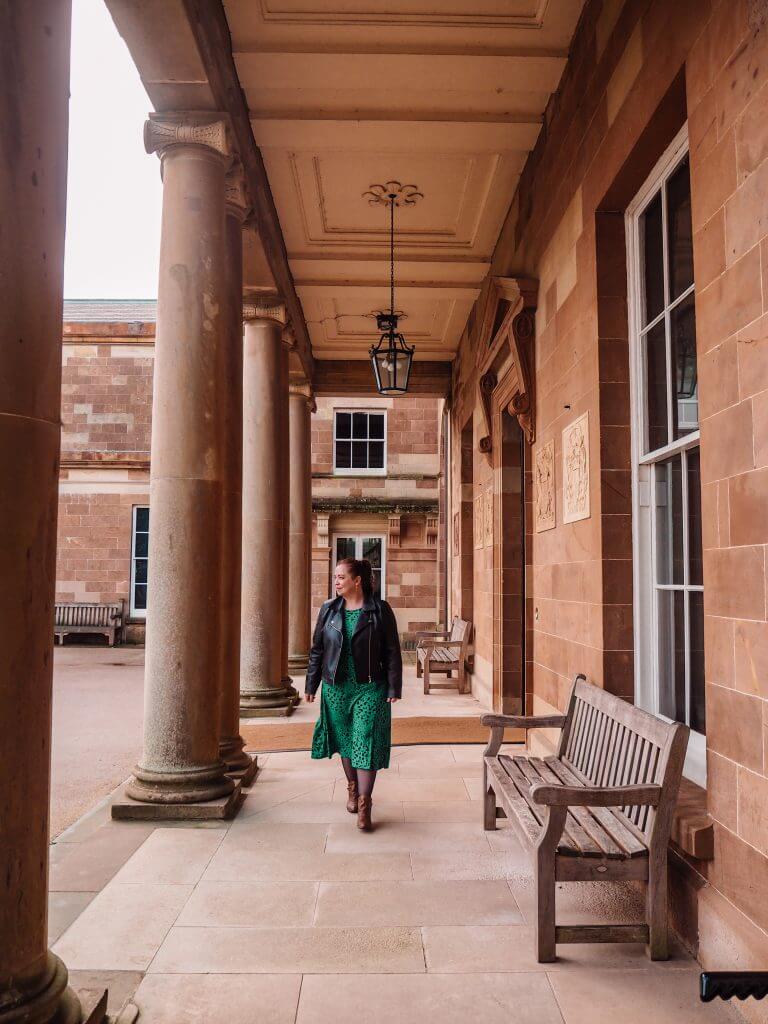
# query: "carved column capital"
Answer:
x=303 y=390
x=235 y=195
x=264 y=310
x=188 y=128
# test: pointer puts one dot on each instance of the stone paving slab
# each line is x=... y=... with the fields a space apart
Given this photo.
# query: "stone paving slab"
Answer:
x=310 y=867
x=410 y=837
x=281 y=950
x=122 y=928
x=172 y=855
x=304 y=809
x=216 y=999
x=89 y=866
x=63 y=909
x=421 y=902
x=414 y=999
x=243 y=904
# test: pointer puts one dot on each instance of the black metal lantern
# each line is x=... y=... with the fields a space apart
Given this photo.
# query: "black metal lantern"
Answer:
x=392 y=357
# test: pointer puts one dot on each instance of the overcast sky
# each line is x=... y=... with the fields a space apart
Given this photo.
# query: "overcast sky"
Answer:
x=114 y=189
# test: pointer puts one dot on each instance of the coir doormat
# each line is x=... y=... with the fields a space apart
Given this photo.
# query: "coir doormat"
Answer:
x=289 y=735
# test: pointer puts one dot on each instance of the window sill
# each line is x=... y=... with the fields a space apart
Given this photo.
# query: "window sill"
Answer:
x=692 y=828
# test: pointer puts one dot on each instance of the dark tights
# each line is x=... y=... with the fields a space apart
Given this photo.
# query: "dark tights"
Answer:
x=364 y=777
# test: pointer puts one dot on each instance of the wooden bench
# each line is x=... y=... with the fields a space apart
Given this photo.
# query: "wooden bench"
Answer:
x=83 y=617
x=601 y=809
x=444 y=651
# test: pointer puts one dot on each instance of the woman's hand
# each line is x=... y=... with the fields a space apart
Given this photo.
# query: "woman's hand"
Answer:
x=309 y=697
x=392 y=700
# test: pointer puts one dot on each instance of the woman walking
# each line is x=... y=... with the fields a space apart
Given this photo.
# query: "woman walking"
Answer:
x=356 y=655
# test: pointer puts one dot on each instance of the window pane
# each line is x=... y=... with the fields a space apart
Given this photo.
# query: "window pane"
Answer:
x=345 y=548
x=360 y=425
x=695 y=571
x=696 y=632
x=671 y=652
x=376 y=581
x=140 y=570
x=343 y=455
x=142 y=519
x=685 y=408
x=376 y=455
x=652 y=258
x=141 y=545
x=372 y=551
x=359 y=454
x=679 y=231
x=343 y=424
x=140 y=597
x=376 y=426
x=656 y=386
x=669 y=521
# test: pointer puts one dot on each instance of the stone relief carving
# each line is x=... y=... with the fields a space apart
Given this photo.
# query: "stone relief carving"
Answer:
x=488 y=517
x=544 y=512
x=164 y=130
x=576 y=470
x=478 y=525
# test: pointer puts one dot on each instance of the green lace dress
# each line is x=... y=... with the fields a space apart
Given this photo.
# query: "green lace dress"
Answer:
x=355 y=719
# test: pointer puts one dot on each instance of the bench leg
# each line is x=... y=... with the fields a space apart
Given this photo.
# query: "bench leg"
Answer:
x=418 y=667
x=656 y=899
x=546 y=854
x=426 y=677
x=489 y=806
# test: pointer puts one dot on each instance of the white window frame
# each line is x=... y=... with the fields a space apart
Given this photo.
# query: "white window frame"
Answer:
x=646 y=627
x=341 y=471
x=358 y=538
x=134 y=612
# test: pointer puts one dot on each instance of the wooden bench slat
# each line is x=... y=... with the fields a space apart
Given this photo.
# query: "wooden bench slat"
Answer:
x=513 y=801
x=610 y=818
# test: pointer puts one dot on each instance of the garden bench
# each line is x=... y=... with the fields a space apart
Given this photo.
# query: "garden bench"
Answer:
x=85 y=617
x=444 y=651
x=601 y=809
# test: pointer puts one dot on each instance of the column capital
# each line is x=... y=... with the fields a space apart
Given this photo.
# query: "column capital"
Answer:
x=187 y=128
x=265 y=309
x=235 y=196
x=302 y=389
x=289 y=337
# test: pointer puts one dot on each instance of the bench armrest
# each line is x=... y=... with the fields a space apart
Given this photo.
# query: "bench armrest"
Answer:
x=595 y=796
x=423 y=634
x=430 y=645
x=524 y=721
x=497 y=724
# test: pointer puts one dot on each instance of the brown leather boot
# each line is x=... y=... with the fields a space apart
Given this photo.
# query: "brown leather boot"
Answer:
x=364 y=814
x=352 y=798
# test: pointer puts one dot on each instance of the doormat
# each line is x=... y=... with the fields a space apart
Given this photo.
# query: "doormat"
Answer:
x=405 y=732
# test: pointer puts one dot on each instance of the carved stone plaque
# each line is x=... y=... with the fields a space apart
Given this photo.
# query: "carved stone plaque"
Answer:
x=544 y=510
x=576 y=470
x=479 y=520
x=488 y=518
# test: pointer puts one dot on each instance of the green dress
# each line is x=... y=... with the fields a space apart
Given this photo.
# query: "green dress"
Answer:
x=355 y=719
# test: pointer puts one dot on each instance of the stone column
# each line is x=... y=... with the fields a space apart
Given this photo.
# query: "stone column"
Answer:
x=180 y=765
x=230 y=741
x=33 y=195
x=300 y=407
x=263 y=690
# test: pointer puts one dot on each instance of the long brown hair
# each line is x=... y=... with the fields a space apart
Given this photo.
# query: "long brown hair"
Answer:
x=360 y=567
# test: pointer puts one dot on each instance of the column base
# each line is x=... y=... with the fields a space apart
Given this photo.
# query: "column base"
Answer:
x=223 y=808
x=262 y=703
x=233 y=755
x=51 y=1001
x=186 y=786
x=294 y=693
x=298 y=662
x=246 y=774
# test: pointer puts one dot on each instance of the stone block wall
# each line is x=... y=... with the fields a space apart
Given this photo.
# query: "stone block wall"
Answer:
x=638 y=70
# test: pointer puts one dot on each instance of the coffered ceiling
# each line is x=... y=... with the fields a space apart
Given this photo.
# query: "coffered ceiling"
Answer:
x=446 y=95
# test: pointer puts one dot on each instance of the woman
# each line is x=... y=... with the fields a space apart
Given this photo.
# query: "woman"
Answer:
x=356 y=655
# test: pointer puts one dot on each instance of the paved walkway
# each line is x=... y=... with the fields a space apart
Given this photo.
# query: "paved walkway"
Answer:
x=289 y=914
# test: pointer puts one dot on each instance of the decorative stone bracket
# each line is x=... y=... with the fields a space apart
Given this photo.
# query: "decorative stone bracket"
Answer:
x=393 y=531
x=431 y=531
x=515 y=337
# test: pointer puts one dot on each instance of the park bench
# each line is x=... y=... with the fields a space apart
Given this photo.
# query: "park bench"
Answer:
x=601 y=809
x=84 y=617
x=444 y=651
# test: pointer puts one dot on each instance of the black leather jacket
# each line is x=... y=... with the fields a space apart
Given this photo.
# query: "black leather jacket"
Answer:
x=375 y=646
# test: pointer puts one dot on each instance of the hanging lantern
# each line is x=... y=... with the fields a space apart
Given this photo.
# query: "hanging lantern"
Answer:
x=392 y=357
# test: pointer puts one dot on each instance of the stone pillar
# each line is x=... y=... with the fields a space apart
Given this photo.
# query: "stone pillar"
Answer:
x=230 y=741
x=33 y=193
x=263 y=668
x=180 y=765
x=300 y=407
